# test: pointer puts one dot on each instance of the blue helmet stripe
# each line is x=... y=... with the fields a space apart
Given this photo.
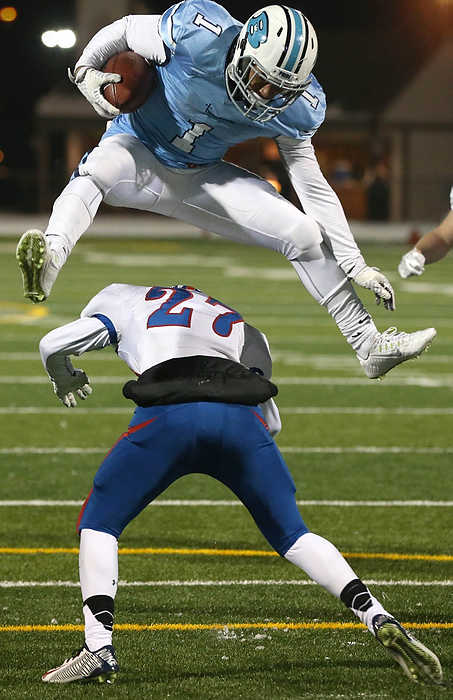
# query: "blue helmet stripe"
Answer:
x=304 y=51
x=297 y=40
x=288 y=36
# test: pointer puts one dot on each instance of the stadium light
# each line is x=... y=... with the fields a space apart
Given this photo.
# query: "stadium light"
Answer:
x=8 y=14
x=63 y=38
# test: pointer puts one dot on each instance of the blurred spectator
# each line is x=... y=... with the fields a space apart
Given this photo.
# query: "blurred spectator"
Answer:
x=341 y=175
x=378 y=193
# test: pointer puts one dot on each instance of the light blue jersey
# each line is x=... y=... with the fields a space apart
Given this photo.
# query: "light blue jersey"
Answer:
x=189 y=119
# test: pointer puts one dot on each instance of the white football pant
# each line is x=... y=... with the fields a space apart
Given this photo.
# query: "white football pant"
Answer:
x=221 y=198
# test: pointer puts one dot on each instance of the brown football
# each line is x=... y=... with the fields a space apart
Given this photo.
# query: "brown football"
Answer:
x=137 y=80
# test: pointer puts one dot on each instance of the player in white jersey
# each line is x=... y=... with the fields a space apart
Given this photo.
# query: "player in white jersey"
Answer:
x=219 y=83
x=204 y=376
x=431 y=247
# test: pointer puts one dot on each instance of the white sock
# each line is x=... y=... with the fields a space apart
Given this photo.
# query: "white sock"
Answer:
x=98 y=570
x=324 y=564
x=322 y=561
x=367 y=616
x=323 y=278
x=73 y=212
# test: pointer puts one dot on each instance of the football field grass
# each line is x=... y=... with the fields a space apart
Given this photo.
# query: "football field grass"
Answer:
x=204 y=608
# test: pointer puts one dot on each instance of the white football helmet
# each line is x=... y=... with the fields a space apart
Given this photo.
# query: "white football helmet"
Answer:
x=280 y=45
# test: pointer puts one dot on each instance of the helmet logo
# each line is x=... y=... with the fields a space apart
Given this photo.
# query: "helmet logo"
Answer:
x=257 y=30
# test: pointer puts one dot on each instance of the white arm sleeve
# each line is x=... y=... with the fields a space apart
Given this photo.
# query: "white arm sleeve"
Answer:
x=320 y=201
x=137 y=33
x=74 y=338
x=256 y=353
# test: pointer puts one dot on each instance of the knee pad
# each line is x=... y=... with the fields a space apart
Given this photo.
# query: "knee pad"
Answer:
x=304 y=239
x=108 y=164
x=74 y=210
x=86 y=189
x=125 y=171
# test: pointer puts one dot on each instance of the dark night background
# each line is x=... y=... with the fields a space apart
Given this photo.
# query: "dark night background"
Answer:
x=368 y=50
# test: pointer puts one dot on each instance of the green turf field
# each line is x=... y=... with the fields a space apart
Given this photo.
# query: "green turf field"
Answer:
x=372 y=463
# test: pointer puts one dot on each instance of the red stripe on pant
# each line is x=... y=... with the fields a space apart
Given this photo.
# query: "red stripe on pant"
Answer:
x=128 y=432
x=82 y=511
x=260 y=419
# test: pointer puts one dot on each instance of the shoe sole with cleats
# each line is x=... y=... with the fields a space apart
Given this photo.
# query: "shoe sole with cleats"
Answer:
x=108 y=678
x=30 y=254
x=417 y=661
x=375 y=368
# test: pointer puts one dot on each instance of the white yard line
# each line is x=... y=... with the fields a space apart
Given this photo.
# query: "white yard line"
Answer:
x=421 y=380
x=35 y=356
x=160 y=260
x=62 y=411
x=290 y=410
x=245 y=582
x=53 y=450
x=42 y=379
x=368 y=449
x=15 y=317
x=367 y=410
x=223 y=503
x=358 y=449
x=289 y=357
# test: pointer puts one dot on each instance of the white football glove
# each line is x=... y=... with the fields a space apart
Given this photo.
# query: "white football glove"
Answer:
x=371 y=278
x=70 y=381
x=90 y=83
x=413 y=263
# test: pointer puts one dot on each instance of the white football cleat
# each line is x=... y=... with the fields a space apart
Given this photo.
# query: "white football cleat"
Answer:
x=391 y=347
x=37 y=265
x=84 y=665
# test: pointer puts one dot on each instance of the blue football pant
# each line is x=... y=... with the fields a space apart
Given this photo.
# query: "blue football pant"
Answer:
x=229 y=442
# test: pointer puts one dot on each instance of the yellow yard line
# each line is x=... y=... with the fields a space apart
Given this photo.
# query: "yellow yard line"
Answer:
x=39 y=550
x=225 y=553
x=159 y=627
x=394 y=555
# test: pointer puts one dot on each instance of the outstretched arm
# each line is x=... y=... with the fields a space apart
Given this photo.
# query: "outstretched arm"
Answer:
x=436 y=244
x=431 y=247
x=319 y=200
x=74 y=338
x=321 y=203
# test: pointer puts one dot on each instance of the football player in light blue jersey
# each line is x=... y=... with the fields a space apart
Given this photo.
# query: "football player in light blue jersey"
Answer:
x=194 y=100
x=220 y=83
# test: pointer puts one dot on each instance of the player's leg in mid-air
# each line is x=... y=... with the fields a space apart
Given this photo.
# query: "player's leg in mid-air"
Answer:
x=237 y=204
x=261 y=480
x=114 y=171
x=223 y=199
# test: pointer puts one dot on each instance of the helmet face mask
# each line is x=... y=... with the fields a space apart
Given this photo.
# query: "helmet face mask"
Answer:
x=250 y=103
x=279 y=45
